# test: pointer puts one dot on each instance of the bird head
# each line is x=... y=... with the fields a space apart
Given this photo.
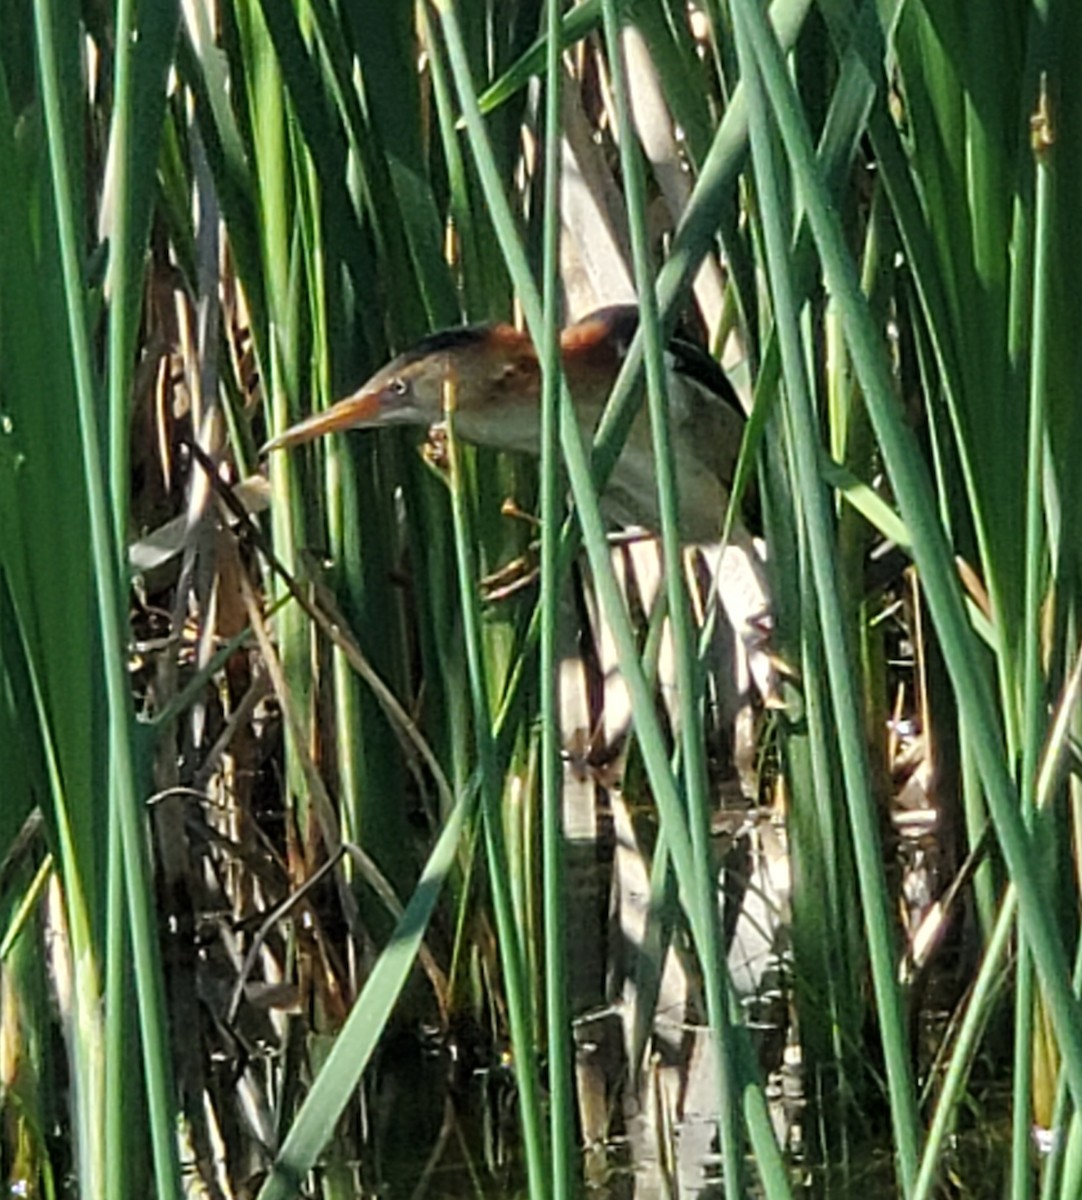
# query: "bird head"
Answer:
x=485 y=372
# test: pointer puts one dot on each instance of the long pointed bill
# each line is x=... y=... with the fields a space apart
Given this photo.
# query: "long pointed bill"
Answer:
x=358 y=411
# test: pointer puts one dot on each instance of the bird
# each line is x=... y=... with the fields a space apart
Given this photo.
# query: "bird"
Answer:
x=495 y=375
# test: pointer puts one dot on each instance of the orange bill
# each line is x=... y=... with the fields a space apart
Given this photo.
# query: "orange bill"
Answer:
x=362 y=409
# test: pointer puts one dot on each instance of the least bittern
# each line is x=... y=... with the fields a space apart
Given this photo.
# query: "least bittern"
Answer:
x=496 y=380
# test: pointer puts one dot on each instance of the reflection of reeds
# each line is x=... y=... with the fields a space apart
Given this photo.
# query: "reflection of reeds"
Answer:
x=324 y=782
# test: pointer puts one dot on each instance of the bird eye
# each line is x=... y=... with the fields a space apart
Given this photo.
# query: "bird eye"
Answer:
x=400 y=387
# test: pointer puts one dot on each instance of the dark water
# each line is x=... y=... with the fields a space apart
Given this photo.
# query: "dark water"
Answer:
x=439 y=1135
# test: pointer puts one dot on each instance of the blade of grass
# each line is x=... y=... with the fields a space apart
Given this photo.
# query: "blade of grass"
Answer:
x=50 y=656
x=558 y=1022
x=1032 y=697
x=138 y=110
x=108 y=570
x=511 y=945
x=688 y=682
